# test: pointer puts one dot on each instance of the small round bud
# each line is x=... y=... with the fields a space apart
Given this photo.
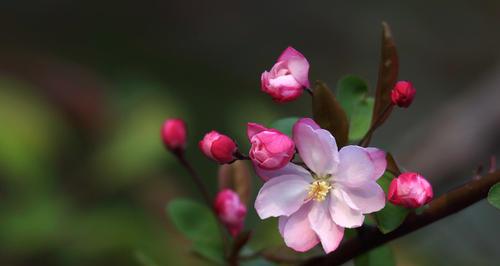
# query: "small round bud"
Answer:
x=270 y=149
x=218 y=147
x=231 y=211
x=174 y=134
x=410 y=190
x=402 y=94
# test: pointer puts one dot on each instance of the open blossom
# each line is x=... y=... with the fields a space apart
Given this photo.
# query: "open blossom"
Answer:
x=403 y=93
x=174 y=134
x=288 y=77
x=231 y=210
x=410 y=190
x=270 y=149
x=218 y=147
x=316 y=206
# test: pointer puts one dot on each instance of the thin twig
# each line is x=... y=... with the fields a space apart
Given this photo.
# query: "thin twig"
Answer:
x=448 y=204
x=205 y=194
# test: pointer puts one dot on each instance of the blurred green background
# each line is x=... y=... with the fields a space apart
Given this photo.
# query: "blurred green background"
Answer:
x=86 y=85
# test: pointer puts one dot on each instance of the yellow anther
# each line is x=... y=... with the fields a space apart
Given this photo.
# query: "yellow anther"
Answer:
x=318 y=190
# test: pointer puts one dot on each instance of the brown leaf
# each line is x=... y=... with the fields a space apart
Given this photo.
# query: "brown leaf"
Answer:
x=329 y=114
x=236 y=176
x=392 y=166
x=387 y=76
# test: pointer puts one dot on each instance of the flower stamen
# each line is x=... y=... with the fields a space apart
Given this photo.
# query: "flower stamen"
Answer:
x=318 y=190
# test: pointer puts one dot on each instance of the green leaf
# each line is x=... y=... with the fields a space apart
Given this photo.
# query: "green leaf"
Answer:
x=494 y=195
x=209 y=251
x=361 y=119
x=381 y=256
x=328 y=113
x=198 y=224
x=285 y=125
x=352 y=93
x=143 y=259
x=391 y=216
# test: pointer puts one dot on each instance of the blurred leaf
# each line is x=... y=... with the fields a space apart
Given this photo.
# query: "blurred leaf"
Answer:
x=285 y=125
x=236 y=176
x=352 y=93
x=265 y=235
x=391 y=216
x=329 y=114
x=32 y=131
x=392 y=166
x=209 y=251
x=144 y=260
x=198 y=224
x=31 y=225
x=494 y=195
x=134 y=148
x=380 y=256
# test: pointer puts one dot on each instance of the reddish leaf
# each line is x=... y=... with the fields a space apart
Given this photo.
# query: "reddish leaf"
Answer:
x=329 y=114
x=236 y=176
x=387 y=76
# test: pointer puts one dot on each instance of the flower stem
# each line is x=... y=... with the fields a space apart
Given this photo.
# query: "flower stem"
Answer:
x=205 y=194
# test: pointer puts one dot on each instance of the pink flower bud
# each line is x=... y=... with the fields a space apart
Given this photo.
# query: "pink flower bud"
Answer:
x=410 y=190
x=231 y=211
x=403 y=93
x=174 y=134
x=270 y=149
x=218 y=147
x=287 y=78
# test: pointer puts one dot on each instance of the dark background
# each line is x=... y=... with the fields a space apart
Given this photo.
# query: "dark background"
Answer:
x=85 y=86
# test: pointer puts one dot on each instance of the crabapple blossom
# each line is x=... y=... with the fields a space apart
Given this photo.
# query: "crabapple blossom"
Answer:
x=287 y=78
x=174 y=134
x=336 y=191
x=403 y=93
x=410 y=190
x=218 y=147
x=231 y=210
x=270 y=149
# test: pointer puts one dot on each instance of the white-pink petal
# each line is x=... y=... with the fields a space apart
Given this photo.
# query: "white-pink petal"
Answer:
x=282 y=195
x=285 y=81
x=317 y=148
x=368 y=197
x=355 y=166
x=297 y=231
x=297 y=64
x=289 y=169
x=342 y=214
x=329 y=233
x=379 y=161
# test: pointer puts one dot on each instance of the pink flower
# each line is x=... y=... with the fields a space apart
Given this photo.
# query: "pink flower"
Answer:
x=403 y=93
x=174 y=134
x=287 y=78
x=218 y=147
x=316 y=206
x=270 y=149
x=231 y=210
x=410 y=190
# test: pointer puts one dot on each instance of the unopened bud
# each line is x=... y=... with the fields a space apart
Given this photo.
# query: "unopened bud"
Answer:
x=402 y=94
